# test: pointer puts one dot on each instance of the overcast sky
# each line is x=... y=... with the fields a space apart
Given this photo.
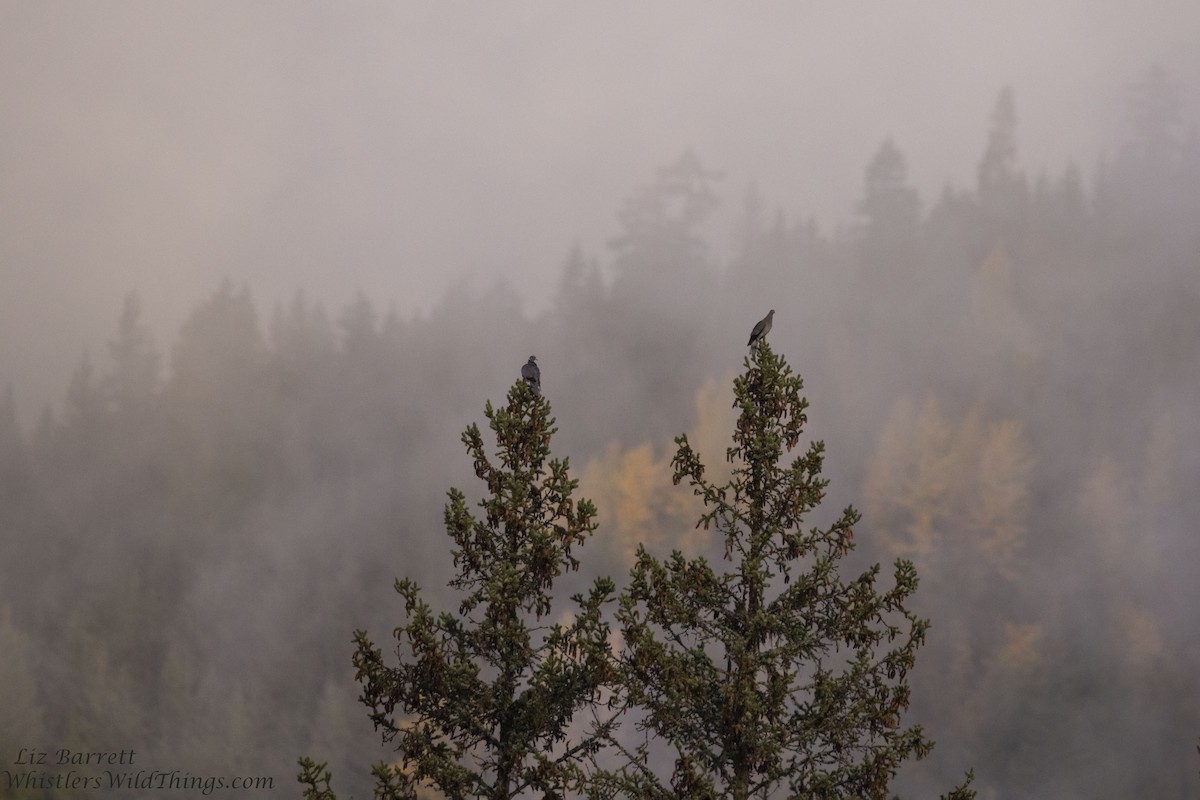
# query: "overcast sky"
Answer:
x=399 y=148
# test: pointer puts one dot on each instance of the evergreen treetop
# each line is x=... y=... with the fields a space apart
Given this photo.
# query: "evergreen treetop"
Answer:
x=484 y=702
x=773 y=673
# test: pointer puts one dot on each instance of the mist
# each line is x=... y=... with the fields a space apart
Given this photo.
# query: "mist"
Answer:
x=401 y=149
x=261 y=265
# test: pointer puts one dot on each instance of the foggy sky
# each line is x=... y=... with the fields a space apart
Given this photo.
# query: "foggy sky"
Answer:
x=401 y=148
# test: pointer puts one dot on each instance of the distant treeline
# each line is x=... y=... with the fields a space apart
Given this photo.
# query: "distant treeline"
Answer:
x=1006 y=379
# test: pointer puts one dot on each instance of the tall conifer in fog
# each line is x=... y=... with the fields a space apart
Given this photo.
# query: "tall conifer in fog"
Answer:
x=492 y=700
x=770 y=672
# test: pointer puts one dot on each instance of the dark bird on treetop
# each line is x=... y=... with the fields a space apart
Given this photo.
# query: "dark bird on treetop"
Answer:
x=532 y=375
x=760 y=330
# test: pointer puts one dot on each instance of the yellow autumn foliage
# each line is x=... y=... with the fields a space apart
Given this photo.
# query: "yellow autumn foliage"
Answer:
x=633 y=485
x=935 y=482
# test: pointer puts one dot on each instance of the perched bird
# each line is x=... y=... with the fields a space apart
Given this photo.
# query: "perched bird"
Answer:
x=532 y=375
x=760 y=330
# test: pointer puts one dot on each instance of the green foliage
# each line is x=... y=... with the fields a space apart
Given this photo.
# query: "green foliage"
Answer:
x=316 y=778
x=961 y=792
x=485 y=700
x=194 y=508
x=773 y=671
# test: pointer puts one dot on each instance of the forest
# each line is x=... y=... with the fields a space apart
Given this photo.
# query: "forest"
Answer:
x=1005 y=377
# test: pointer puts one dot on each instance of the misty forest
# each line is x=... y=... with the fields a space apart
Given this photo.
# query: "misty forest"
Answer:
x=1004 y=377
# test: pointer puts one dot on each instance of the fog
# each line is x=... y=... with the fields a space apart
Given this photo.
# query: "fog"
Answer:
x=401 y=148
x=260 y=264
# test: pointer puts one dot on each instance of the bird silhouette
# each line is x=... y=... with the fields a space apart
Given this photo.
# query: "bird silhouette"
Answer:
x=532 y=375
x=761 y=329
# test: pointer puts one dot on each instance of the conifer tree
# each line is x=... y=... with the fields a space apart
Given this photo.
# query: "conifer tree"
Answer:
x=133 y=380
x=771 y=675
x=490 y=701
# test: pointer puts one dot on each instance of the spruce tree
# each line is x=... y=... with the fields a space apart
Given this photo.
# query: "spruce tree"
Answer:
x=494 y=700
x=768 y=675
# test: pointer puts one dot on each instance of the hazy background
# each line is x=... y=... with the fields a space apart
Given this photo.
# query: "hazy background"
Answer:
x=262 y=263
x=399 y=148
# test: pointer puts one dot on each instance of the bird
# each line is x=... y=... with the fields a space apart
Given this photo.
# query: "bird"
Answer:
x=532 y=375
x=760 y=330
